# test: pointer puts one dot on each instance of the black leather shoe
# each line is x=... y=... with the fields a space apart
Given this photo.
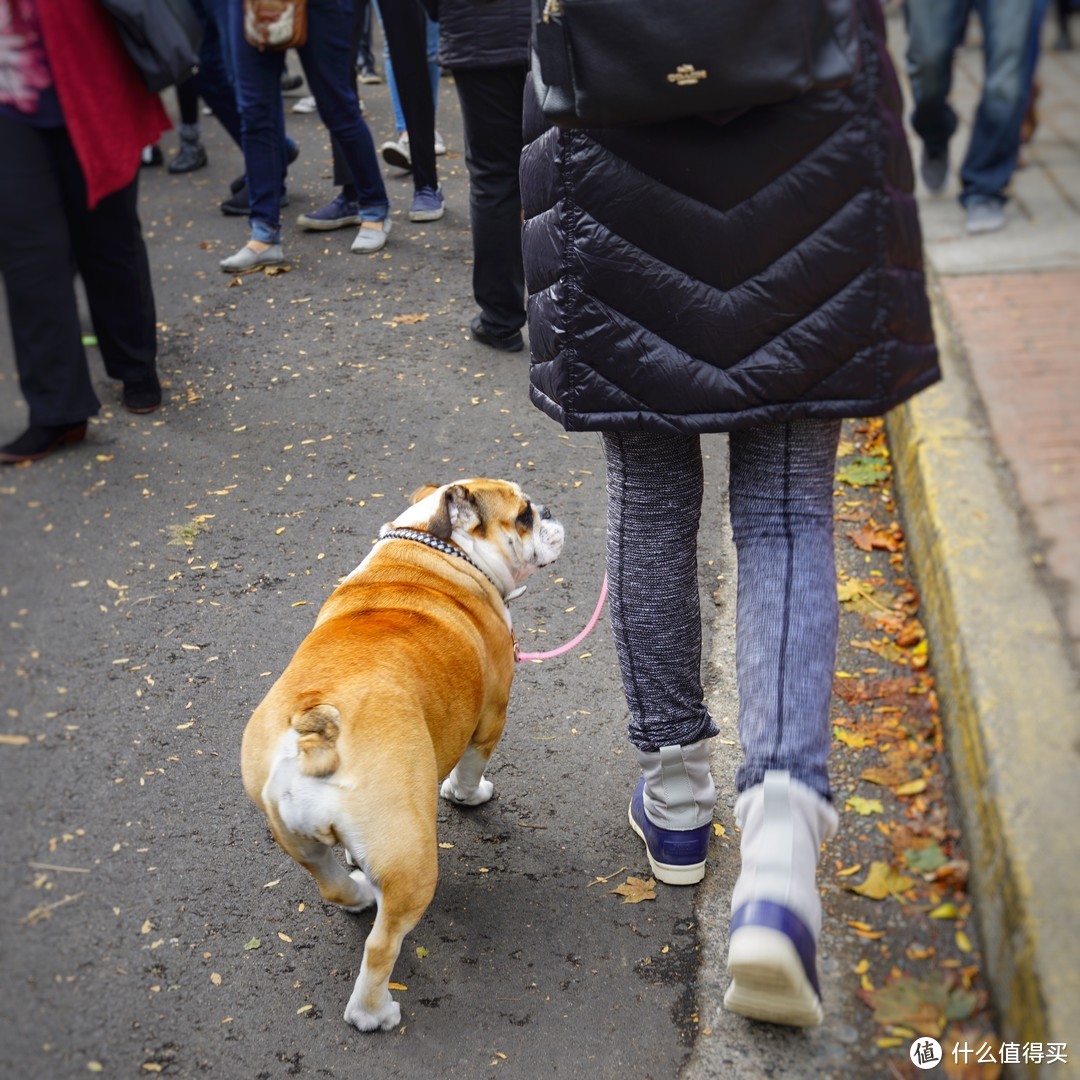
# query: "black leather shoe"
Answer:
x=40 y=440
x=505 y=342
x=239 y=204
x=188 y=158
x=142 y=397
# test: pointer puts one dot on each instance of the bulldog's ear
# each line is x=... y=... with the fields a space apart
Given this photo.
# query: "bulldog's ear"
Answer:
x=456 y=509
x=422 y=492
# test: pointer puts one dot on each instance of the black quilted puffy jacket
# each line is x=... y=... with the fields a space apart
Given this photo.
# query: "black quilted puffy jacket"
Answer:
x=703 y=275
x=482 y=35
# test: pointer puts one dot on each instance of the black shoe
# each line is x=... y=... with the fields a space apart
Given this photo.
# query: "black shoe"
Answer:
x=143 y=396
x=291 y=82
x=238 y=183
x=40 y=440
x=512 y=342
x=189 y=157
x=151 y=155
x=239 y=205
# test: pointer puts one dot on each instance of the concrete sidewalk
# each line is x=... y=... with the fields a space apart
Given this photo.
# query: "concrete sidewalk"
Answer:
x=987 y=467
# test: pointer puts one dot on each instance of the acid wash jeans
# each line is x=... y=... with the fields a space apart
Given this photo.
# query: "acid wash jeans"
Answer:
x=780 y=493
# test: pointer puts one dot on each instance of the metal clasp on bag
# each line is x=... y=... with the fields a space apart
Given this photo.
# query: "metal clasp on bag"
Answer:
x=552 y=9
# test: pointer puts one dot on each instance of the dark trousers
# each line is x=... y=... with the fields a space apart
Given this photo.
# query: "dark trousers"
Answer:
x=491 y=103
x=47 y=235
x=406 y=38
x=213 y=81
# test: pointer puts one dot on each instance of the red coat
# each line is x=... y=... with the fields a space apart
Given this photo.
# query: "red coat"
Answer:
x=109 y=113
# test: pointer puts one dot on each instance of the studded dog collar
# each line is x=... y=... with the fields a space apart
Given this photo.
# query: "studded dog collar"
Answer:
x=421 y=537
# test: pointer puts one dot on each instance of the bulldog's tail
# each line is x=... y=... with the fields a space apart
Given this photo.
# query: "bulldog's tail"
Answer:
x=318 y=728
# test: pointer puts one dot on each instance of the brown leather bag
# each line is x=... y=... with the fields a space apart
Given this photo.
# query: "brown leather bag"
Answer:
x=275 y=24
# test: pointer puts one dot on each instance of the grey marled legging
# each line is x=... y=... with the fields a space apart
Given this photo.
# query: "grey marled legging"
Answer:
x=781 y=483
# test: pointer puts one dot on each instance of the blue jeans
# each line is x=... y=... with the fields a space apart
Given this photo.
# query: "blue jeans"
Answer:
x=328 y=67
x=780 y=493
x=935 y=29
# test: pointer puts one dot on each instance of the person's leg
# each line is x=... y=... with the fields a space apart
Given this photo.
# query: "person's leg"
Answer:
x=258 y=94
x=781 y=483
x=935 y=28
x=192 y=153
x=431 y=31
x=406 y=37
x=329 y=70
x=782 y=521
x=365 y=58
x=328 y=65
x=391 y=79
x=654 y=490
x=38 y=268
x=111 y=255
x=213 y=82
x=491 y=112
x=1008 y=26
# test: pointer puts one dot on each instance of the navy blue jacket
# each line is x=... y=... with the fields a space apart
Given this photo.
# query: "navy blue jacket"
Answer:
x=703 y=275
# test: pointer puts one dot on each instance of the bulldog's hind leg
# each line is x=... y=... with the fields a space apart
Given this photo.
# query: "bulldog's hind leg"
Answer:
x=351 y=891
x=407 y=887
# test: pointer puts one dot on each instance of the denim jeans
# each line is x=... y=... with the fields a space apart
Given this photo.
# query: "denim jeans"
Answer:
x=329 y=69
x=780 y=490
x=935 y=29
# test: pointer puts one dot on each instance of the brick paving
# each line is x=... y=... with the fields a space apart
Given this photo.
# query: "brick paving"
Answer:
x=1021 y=335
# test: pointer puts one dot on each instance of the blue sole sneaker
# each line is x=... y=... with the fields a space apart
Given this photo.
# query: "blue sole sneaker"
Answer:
x=772 y=960
x=676 y=856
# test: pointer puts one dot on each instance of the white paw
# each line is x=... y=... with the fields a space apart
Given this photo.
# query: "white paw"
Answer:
x=384 y=1019
x=480 y=794
x=365 y=893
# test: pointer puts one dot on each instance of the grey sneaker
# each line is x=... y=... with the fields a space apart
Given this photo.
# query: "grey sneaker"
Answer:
x=985 y=213
x=249 y=259
x=369 y=238
x=934 y=170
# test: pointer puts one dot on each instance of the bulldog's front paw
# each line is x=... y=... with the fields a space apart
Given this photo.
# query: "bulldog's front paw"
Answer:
x=385 y=1018
x=453 y=792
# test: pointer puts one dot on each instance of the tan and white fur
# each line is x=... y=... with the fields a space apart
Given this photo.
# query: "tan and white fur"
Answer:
x=403 y=682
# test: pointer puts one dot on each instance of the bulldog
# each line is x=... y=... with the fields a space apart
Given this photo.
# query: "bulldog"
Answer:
x=403 y=682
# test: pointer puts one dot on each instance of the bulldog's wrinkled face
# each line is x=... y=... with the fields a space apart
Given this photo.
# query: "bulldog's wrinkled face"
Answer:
x=493 y=521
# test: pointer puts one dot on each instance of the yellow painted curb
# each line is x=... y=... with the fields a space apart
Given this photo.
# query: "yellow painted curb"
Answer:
x=1009 y=699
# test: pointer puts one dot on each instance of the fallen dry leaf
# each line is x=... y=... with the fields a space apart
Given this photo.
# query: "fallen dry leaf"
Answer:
x=633 y=890
x=882 y=881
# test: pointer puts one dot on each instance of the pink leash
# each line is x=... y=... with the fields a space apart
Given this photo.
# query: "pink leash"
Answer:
x=523 y=656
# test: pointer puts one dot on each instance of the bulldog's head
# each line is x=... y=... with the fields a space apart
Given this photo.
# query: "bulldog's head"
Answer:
x=493 y=521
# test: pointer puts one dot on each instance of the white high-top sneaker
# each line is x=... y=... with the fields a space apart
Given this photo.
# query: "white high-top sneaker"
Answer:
x=776 y=908
x=672 y=808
